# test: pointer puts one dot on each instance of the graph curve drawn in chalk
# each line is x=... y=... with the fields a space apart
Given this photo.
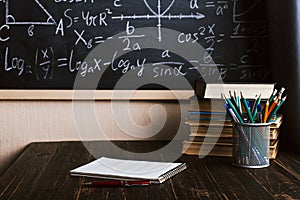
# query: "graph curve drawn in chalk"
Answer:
x=248 y=13
x=159 y=15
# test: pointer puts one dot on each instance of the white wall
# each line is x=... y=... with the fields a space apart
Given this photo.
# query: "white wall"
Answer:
x=23 y=122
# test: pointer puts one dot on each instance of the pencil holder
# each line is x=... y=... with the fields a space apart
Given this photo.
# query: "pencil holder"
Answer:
x=251 y=145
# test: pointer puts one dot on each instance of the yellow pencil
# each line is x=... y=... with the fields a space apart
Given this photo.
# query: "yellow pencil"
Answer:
x=266 y=111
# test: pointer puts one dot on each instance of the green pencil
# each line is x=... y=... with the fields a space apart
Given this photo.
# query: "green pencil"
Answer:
x=276 y=108
x=255 y=107
x=272 y=96
x=247 y=108
x=227 y=100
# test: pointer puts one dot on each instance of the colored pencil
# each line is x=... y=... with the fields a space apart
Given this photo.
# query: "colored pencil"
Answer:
x=272 y=96
x=247 y=108
x=266 y=111
x=227 y=100
x=279 y=104
x=272 y=106
x=256 y=103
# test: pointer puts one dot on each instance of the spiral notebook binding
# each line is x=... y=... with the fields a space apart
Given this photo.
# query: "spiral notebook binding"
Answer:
x=172 y=173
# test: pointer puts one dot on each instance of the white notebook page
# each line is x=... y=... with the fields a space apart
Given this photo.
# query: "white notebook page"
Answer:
x=126 y=168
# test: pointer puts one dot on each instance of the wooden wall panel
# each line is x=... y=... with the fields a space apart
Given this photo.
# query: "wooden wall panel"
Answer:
x=22 y=122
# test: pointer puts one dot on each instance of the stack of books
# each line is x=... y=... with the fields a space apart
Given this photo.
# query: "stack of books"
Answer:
x=211 y=127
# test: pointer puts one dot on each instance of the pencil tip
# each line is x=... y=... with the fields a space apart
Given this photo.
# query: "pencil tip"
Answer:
x=284 y=98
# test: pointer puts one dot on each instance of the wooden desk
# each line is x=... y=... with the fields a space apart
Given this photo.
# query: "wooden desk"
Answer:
x=42 y=172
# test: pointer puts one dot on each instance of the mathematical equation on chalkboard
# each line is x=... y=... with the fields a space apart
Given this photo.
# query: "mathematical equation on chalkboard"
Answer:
x=44 y=43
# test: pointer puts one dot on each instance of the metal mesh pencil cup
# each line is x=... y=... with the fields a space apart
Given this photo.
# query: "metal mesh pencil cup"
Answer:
x=251 y=145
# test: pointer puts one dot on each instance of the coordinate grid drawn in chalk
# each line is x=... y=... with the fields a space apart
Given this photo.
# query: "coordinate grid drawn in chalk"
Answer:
x=159 y=15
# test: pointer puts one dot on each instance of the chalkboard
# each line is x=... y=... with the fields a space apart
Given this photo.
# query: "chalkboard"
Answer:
x=55 y=44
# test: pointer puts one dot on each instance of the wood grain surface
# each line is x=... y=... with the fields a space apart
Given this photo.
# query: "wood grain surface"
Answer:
x=42 y=172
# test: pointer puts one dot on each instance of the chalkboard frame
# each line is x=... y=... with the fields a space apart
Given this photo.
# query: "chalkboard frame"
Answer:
x=68 y=95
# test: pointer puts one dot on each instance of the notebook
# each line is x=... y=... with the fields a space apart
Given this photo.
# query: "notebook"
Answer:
x=118 y=169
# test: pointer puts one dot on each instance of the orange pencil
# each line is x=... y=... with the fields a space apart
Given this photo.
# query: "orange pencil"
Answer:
x=266 y=111
x=273 y=105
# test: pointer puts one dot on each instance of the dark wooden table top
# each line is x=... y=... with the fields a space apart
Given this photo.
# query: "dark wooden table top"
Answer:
x=42 y=172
